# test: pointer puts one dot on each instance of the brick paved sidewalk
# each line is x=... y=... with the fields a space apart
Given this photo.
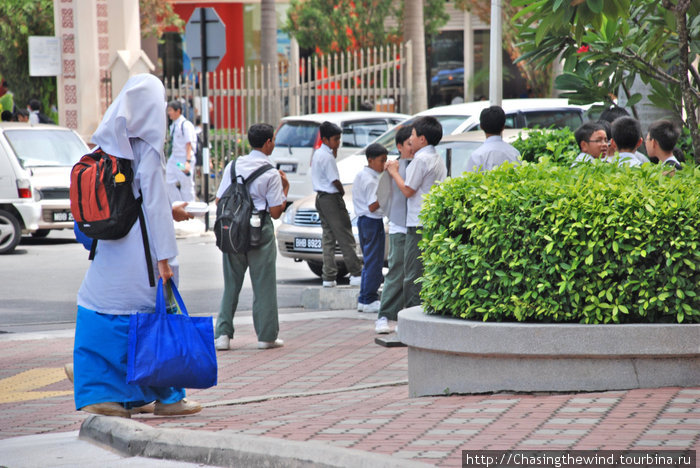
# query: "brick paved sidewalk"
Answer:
x=330 y=383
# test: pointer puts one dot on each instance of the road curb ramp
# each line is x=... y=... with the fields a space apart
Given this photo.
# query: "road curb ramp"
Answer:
x=227 y=449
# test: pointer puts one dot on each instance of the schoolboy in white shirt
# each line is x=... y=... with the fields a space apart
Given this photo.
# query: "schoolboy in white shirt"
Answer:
x=370 y=226
x=626 y=137
x=395 y=210
x=335 y=220
x=426 y=170
x=661 y=139
x=592 y=140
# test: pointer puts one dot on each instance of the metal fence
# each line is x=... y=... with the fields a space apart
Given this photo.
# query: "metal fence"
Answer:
x=366 y=79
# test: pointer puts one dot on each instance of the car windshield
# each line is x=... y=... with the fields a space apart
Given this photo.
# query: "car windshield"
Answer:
x=459 y=154
x=297 y=134
x=46 y=147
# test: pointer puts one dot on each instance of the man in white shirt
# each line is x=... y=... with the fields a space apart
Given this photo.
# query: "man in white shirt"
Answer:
x=426 y=170
x=494 y=151
x=335 y=220
x=179 y=171
x=626 y=138
x=269 y=195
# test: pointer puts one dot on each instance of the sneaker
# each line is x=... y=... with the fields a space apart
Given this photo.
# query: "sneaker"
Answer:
x=372 y=308
x=222 y=343
x=381 y=326
x=68 y=369
x=109 y=408
x=270 y=344
x=355 y=280
x=360 y=307
x=329 y=284
x=183 y=406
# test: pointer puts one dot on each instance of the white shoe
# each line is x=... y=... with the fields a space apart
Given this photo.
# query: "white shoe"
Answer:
x=355 y=280
x=372 y=308
x=222 y=343
x=360 y=307
x=329 y=284
x=381 y=326
x=270 y=344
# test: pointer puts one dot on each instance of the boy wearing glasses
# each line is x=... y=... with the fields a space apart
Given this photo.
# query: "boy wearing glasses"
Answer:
x=593 y=142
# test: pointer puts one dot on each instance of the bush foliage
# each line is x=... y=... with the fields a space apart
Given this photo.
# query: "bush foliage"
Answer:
x=541 y=242
x=559 y=145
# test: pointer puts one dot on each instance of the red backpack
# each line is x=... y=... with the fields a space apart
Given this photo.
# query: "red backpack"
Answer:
x=102 y=200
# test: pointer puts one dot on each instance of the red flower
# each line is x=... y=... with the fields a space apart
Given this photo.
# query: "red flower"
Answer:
x=582 y=49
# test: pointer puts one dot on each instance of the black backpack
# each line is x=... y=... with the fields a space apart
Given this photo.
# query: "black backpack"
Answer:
x=232 y=226
x=102 y=201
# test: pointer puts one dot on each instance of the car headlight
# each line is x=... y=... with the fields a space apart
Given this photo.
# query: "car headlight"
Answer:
x=289 y=215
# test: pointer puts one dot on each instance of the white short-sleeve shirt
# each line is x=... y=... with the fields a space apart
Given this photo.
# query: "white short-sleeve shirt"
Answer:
x=324 y=170
x=265 y=191
x=364 y=193
x=426 y=169
x=492 y=154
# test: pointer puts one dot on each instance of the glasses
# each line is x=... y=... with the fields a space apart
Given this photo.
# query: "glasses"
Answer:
x=598 y=141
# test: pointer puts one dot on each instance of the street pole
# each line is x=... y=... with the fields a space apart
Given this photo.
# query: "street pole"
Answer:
x=496 y=55
x=205 y=112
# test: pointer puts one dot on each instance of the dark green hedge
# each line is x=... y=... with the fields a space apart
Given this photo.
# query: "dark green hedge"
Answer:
x=541 y=242
x=558 y=145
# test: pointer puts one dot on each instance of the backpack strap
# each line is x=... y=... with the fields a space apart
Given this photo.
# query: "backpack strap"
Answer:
x=257 y=173
x=146 y=245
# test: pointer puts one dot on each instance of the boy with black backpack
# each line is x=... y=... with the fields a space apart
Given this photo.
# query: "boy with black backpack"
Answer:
x=268 y=192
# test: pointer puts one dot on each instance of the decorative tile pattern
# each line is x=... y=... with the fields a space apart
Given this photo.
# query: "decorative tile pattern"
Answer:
x=67 y=18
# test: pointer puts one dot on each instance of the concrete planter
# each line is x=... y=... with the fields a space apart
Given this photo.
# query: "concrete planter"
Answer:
x=448 y=355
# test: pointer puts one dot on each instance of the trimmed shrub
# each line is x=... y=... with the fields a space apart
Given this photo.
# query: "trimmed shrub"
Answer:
x=541 y=242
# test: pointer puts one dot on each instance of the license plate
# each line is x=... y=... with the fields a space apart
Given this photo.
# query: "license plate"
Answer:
x=287 y=168
x=309 y=245
x=61 y=216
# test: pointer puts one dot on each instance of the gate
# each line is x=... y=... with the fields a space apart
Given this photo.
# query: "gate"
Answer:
x=366 y=79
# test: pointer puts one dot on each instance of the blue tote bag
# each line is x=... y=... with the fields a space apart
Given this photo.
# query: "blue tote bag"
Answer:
x=171 y=349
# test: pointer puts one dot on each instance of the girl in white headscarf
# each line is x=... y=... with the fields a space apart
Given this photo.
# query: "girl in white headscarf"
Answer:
x=116 y=284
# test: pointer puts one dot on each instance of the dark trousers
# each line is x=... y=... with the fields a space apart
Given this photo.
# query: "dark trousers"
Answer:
x=392 y=294
x=335 y=222
x=263 y=278
x=371 y=231
x=413 y=267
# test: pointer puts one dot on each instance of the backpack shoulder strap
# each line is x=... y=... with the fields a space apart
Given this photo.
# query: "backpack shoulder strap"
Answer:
x=257 y=173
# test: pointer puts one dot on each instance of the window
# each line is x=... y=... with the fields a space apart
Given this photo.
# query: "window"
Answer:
x=360 y=134
x=46 y=147
x=570 y=118
x=297 y=134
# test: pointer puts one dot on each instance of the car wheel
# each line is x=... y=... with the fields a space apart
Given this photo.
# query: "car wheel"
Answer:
x=39 y=233
x=10 y=232
x=317 y=269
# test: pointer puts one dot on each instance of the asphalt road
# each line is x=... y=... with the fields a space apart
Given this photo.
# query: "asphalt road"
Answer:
x=40 y=280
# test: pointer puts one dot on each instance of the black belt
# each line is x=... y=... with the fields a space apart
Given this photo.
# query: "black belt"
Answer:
x=327 y=193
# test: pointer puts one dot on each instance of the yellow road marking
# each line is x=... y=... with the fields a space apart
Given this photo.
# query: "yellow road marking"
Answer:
x=23 y=386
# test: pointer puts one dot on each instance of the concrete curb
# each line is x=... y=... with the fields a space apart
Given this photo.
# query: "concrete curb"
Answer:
x=337 y=298
x=227 y=449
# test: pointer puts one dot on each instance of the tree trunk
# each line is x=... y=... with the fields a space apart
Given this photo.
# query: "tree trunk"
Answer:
x=268 y=61
x=688 y=99
x=415 y=32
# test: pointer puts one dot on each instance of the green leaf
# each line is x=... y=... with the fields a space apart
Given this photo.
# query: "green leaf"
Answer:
x=596 y=6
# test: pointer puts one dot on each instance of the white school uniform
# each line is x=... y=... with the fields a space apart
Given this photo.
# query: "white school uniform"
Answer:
x=426 y=169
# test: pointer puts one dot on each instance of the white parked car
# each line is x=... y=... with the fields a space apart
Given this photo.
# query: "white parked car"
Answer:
x=35 y=164
x=520 y=113
x=298 y=137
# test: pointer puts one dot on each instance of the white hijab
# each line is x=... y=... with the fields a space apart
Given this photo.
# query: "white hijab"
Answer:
x=137 y=112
